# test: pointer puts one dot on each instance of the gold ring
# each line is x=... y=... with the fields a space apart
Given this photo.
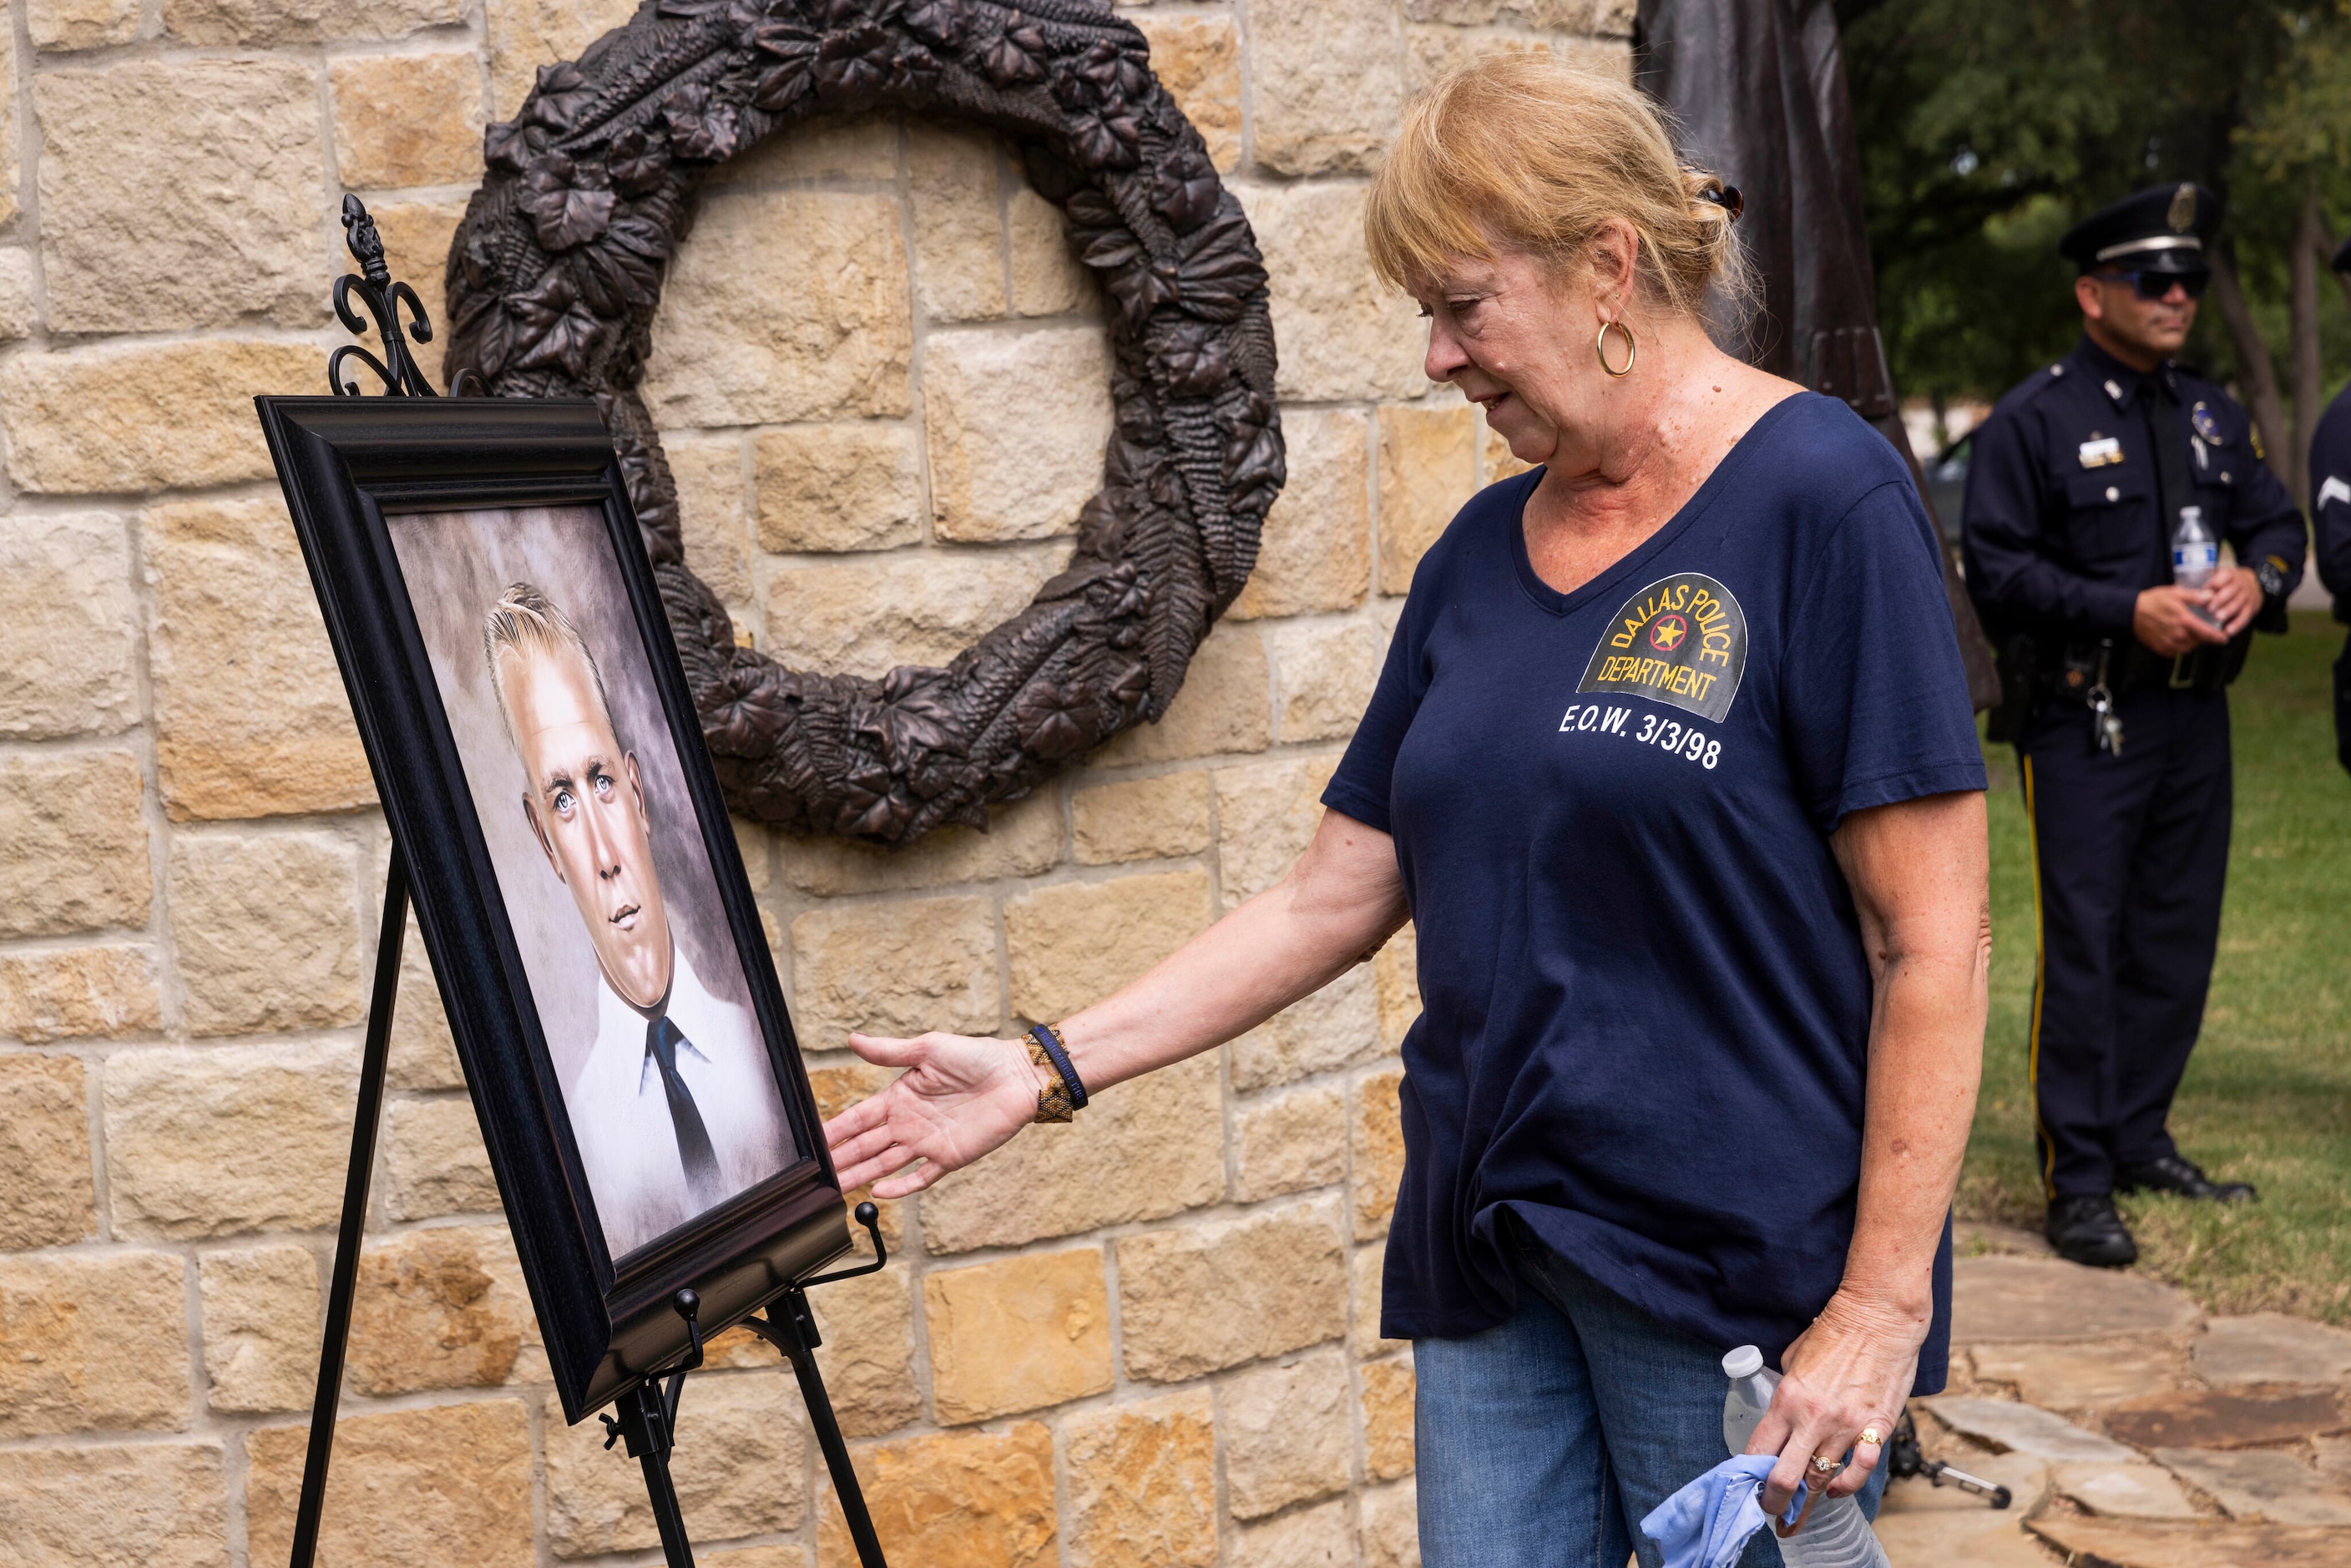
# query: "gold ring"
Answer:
x=1826 y=1466
x=1869 y=1435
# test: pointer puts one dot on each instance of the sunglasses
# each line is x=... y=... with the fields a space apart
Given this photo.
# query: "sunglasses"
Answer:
x=2156 y=285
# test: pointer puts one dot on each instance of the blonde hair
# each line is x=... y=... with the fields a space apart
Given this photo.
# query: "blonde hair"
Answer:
x=1517 y=152
x=525 y=622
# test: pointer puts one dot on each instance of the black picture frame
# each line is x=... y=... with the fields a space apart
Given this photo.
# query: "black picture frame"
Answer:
x=346 y=465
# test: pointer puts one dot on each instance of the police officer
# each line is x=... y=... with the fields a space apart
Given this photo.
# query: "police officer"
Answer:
x=2330 y=507
x=2115 y=695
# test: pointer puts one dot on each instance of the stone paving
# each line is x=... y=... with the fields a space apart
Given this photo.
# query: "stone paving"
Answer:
x=2134 y=1431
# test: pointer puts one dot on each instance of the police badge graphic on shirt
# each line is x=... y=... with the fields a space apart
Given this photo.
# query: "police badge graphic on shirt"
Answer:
x=1682 y=640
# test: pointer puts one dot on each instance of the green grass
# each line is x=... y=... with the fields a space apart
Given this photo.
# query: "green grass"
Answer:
x=2268 y=1094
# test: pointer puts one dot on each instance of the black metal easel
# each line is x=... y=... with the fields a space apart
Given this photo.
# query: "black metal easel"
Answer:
x=646 y=1418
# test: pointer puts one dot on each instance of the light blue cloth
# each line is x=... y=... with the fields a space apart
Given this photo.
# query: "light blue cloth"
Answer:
x=1707 y=1523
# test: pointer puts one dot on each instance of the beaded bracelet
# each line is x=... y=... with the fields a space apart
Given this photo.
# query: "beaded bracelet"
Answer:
x=1067 y=1097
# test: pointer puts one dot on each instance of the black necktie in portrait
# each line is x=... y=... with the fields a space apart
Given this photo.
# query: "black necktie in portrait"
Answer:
x=663 y=1038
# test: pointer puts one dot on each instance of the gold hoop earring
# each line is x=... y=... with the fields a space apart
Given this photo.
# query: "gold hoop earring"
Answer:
x=1632 y=347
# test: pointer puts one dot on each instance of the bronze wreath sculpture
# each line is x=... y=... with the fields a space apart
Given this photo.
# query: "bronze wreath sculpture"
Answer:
x=557 y=270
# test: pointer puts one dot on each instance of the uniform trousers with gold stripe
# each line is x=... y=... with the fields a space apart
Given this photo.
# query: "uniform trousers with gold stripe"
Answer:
x=2130 y=856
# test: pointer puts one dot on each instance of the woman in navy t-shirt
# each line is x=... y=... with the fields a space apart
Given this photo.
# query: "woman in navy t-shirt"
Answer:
x=1672 y=766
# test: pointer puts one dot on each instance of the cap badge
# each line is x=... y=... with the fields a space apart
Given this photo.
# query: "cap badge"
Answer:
x=2182 y=216
x=2200 y=418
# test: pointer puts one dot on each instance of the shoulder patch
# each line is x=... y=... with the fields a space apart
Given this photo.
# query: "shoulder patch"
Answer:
x=1682 y=640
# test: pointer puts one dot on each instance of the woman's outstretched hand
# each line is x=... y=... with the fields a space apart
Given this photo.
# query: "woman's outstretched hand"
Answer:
x=1852 y=1369
x=958 y=1097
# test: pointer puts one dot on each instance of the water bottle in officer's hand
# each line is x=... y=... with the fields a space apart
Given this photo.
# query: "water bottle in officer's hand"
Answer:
x=1835 y=1534
x=2195 y=556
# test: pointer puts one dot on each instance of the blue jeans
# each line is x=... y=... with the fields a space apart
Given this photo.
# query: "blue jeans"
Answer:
x=1544 y=1442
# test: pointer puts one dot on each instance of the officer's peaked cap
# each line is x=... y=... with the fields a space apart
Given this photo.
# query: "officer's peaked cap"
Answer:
x=2163 y=228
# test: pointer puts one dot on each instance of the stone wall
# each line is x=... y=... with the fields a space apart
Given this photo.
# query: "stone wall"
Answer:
x=1148 y=1339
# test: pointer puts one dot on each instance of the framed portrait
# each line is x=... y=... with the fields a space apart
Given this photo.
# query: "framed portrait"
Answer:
x=575 y=874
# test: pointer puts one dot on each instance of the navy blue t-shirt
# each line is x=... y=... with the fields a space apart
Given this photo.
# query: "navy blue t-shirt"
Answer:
x=1645 y=1007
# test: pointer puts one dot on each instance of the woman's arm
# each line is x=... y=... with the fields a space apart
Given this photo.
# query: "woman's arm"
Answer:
x=1920 y=874
x=961 y=1096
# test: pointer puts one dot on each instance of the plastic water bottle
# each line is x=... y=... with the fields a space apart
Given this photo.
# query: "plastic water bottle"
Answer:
x=1835 y=1534
x=2195 y=555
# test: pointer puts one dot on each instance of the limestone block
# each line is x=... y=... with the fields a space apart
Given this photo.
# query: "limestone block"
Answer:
x=80 y=1348
x=1315 y=553
x=838 y=487
x=1376 y=1149
x=69 y=627
x=268 y=931
x=956 y=1499
x=1198 y=60
x=2237 y=1416
x=1224 y=705
x=145 y=416
x=407 y=120
x=155 y=1505
x=1142 y=819
x=868 y=1355
x=1266 y=815
x=1023 y=839
x=1291 y=1142
x=911 y=607
x=1325 y=671
x=1363 y=1323
x=1287 y=1434
x=1345 y=334
x=1494 y=454
x=1431 y=52
x=1018 y=1334
x=260 y=1327
x=1560 y=13
x=1391 y=1527
x=214 y=1141
x=1048 y=279
x=1147 y=1148
x=245 y=22
x=250 y=715
x=739 y=1462
x=895 y=969
x=2005 y=1299
x=79 y=992
x=2127 y=1491
x=1278 y=1280
x=864 y=148
x=953 y=174
x=48 y=1199
x=1327 y=85
x=1396 y=976
x=712 y=516
x=1071 y=945
x=130 y=243
x=1142 y=1484
x=2261 y=1484
x=1388 y=1419
x=1317 y=1537
x=2270 y=1347
x=417 y=237
x=9 y=173
x=1016 y=422
x=18 y=313
x=1428 y=468
x=414 y=1486
x=76 y=842
x=1336 y=1027
x=783 y=305
x=524 y=35
x=444 y=1308
x=2093 y=1376
x=56 y=25
x=433 y=1161
x=2011 y=1427
x=423 y=1053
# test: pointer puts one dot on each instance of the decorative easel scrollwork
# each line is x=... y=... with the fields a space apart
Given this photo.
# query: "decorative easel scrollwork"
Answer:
x=556 y=273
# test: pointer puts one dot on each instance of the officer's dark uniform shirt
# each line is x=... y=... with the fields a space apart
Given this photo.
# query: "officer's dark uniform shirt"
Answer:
x=2061 y=528
x=2330 y=499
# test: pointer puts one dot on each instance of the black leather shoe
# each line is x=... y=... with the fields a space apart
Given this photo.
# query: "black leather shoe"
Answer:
x=2087 y=1231
x=2179 y=1173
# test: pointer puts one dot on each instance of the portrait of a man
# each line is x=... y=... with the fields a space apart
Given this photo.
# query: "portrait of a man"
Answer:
x=675 y=1110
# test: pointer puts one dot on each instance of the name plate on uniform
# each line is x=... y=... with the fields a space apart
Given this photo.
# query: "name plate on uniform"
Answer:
x=1682 y=640
x=2099 y=453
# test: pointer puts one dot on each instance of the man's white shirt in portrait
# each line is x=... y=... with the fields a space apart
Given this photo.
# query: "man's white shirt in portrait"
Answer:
x=621 y=1115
